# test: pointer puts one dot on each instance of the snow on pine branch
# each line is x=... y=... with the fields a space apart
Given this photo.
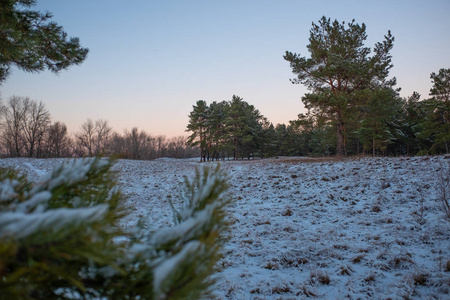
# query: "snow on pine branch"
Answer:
x=7 y=190
x=70 y=174
x=37 y=201
x=194 y=236
x=18 y=225
x=24 y=213
x=169 y=266
x=200 y=193
x=185 y=230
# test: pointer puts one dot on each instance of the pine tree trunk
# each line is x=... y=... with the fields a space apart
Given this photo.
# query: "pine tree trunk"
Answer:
x=446 y=146
x=373 y=147
x=340 y=139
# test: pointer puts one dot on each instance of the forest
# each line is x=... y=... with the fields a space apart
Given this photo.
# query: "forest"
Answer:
x=381 y=123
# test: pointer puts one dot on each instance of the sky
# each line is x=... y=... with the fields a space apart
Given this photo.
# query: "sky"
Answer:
x=149 y=62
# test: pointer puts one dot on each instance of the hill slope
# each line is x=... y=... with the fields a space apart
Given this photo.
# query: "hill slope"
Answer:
x=357 y=228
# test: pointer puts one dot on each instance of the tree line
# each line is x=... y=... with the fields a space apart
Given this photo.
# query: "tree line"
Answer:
x=225 y=129
x=27 y=130
x=352 y=107
x=383 y=123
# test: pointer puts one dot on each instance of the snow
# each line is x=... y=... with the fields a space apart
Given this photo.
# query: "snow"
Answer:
x=357 y=228
x=7 y=190
x=184 y=231
x=40 y=198
x=169 y=266
x=20 y=225
x=69 y=173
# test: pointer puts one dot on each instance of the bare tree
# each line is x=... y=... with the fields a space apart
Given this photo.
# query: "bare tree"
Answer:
x=137 y=143
x=2 y=126
x=26 y=122
x=12 y=137
x=85 y=139
x=117 y=145
x=35 y=124
x=103 y=136
x=58 y=142
x=93 y=138
x=176 y=147
x=161 y=145
x=2 y=114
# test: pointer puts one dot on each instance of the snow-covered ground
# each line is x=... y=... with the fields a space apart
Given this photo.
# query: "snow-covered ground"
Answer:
x=357 y=228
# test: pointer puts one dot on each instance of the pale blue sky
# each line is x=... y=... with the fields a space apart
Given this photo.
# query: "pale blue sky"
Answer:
x=150 y=61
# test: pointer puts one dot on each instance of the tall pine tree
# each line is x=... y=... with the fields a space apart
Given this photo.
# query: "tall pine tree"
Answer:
x=435 y=128
x=338 y=67
x=198 y=125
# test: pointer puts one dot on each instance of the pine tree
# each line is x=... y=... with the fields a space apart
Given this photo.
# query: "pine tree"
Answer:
x=409 y=119
x=441 y=85
x=243 y=127
x=232 y=126
x=379 y=114
x=198 y=126
x=268 y=145
x=32 y=42
x=339 y=66
x=435 y=126
x=59 y=238
x=216 y=131
x=440 y=92
x=303 y=127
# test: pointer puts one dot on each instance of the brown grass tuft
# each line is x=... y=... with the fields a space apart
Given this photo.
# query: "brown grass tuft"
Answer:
x=420 y=279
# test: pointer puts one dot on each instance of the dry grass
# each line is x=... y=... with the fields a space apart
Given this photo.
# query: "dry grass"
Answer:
x=358 y=259
x=281 y=289
x=370 y=278
x=420 y=278
x=324 y=159
x=271 y=266
x=320 y=276
x=305 y=290
x=345 y=270
x=287 y=212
